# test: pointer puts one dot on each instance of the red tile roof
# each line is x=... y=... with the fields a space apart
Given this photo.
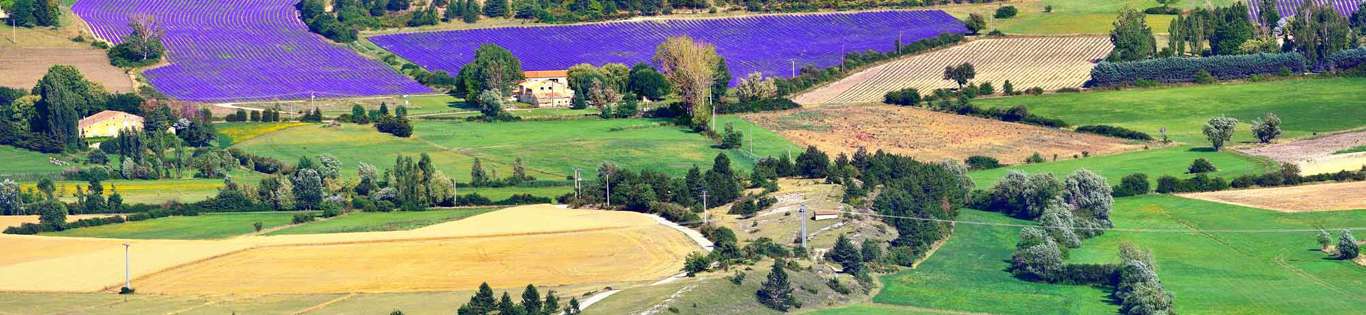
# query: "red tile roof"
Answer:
x=546 y=74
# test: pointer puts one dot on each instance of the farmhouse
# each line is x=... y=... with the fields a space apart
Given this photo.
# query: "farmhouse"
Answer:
x=545 y=89
x=108 y=123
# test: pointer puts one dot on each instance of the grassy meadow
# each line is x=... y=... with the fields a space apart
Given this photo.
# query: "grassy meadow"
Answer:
x=1305 y=106
x=549 y=149
x=1206 y=269
x=1154 y=162
x=23 y=163
x=203 y=226
x=382 y=221
x=1091 y=17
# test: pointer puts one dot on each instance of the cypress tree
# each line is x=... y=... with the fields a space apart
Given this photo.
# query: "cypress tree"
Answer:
x=777 y=292
x=471 y=12
x=531 y=300
x=496 y=8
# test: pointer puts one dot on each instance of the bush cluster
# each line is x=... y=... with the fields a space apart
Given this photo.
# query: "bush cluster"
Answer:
x=1113 y=131
x=1182 y=69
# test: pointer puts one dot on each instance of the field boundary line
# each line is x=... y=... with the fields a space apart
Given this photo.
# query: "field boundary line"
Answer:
x=324 y=304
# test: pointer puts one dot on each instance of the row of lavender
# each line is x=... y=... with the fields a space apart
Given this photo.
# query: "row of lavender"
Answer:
x=768 y=44
x=244 y=50
x=1288 y=8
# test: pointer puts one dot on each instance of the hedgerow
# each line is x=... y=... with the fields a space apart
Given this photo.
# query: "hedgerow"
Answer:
x=1181 y=69
x=1118 y=132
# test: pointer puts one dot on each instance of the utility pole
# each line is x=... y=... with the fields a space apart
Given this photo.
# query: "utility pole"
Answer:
x=127 y=271
x=608 y=184
x=801 y=215
x=577 y=186
x=794 y=68
x=705 y=215
x=712 y=120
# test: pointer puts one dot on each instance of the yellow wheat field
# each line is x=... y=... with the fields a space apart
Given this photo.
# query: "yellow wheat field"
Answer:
x=1050 y=63
x=539 y=244
x=1303 y=198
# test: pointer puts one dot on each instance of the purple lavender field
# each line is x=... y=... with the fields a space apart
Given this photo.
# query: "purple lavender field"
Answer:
x=244 y=50
x=1290 y=7
x=767 y=44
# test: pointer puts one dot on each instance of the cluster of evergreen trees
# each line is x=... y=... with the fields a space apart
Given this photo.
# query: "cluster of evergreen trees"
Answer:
x=483 y=303
x=30 y=13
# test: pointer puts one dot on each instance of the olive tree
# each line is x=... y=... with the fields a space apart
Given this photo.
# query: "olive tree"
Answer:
x=1325 y=240
x=1039 y=262
x=1347 y=245
x=1091 y=200
x=1267 y=128
x=1219 y=130
x=1059 y=221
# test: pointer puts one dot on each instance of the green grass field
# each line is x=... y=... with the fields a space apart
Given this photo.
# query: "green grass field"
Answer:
x=1092 y=17
x=242 y=131
x=381 y=221
x=1305 y=106
x=22 y=163
x=550 y=149
x=1360 y=148
x=1155 y=163
x=1207 y=271
x=203 y=226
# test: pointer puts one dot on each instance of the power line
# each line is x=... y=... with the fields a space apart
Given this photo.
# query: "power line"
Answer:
x=1106 y=229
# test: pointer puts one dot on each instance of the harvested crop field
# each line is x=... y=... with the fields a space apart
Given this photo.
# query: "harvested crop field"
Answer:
x=1047 y=62
x=16 y=220
x=1318 y=155
x=928 y=135
x=538 y=244
x=1304 y=198
x=24 y=66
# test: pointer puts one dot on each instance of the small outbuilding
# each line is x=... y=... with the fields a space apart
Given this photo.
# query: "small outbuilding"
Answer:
x=545 y=89
x=108 y=124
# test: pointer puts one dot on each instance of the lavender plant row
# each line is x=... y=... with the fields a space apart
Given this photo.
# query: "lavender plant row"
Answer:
x=244 y=50
x=1289 y=7
x=767 y=44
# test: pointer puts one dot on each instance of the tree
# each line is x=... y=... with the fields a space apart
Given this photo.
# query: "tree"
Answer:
x=496 y=8
x=573 y=307
x=603 y=96
x=1006 y=12
x=507 y=307
x=1041 y=262
x=695 y=262
x=64 y=98
x=871 y=250
x=1059 y=222
x=1347 y=245
x=471 y=12
x=22 y=14
x=491 y=105
x=960 y=74
x=1132 y=38
x=1270 y=16
x=481 y=303
x=848 y=256
x=720 y=82
x=46 y=13
x=493 y=68
x=1219 y=130
x=812 y=163
x=1231 y=29
x=975 y=23
x=755 y=87
x=1090 y=199
x=308 y=189
x=1267 y=128
x=10 y=202
x=141 y=47
x=1318 y=32
x=1201 y=165
x=776 y=293
x=477 y=176
x=1023 y=195
x=531 y=300
x=52 y=214
x=690 y=67
x=1324 y=240
x=551 y=305
x=645 y=81
x=1133 y=185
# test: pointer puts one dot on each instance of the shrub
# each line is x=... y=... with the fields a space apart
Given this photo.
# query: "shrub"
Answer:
x=1165 y=10
x=1201 y=165
x=1219 y=130
x=1113 y=131
x=1267 y=128
x=1203 y=77
x=1347 y=245
x=904 y=97
x=1167 y=184
x=1034 y=158
x=1186 y=69
x=300 y=218
x=1006 y=12
x=978 y=162
x=1347 y=59
x=1132 y=185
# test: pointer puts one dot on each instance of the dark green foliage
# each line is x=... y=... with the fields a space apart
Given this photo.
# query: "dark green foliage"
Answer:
x=647 y=82
x=1178 y=69
x=845 y=254
x=975 y=23
x=1006 y=12
x=771 y=104
x=978 y=162
x=904 y=97
x=1348 y=59
x=496 y=8
x=960 y=74
x=481 y=303
x=720 y=81
x=66 y=97
x=1319 y=32
x=1113 y=131
x=695 y=263
x=314 y=14
x=1023 y=195
x=1347 y=245
x=200 y=132
x=1231 y=28
x=493 y=68
x=1132 y=185
x=1201 y=165
x=812 y=163
x=776 y=292
x=1034 y=159
x=1203 y=77
x=1132 y=38
x=141 y=47
x=29 y=13
x=399 y=127
x=423 y=16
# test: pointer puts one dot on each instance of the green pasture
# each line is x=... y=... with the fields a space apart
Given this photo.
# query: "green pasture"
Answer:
x=1092 y=17
x=549 y=149
x=1154 y=162
x=1207 y=268
x=203 y=226
x=24 y=163
x=382 y=221
x=1305 y=106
